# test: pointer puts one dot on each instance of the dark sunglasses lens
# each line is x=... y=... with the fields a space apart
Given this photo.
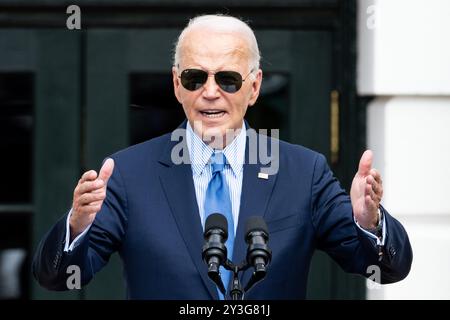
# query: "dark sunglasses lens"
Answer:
x=229 y=81
x=193 y=79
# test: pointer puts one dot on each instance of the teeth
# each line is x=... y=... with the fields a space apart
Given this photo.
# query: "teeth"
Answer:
x=213 y=114
x=212 y=111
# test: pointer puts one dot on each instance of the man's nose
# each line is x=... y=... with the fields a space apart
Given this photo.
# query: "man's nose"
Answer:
x=210 y=88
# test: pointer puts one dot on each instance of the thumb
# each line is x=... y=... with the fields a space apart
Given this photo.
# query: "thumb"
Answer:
x=365 y=164
x=106 y=170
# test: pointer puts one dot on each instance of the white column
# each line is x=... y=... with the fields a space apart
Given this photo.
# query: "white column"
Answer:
x=410 y=137
x=404 y=61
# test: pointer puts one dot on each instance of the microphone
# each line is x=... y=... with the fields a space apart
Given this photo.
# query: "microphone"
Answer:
x=214 y=251
x=258 y=253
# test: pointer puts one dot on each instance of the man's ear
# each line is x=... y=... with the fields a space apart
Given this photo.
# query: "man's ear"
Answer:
x=176 y=84
x=256 y=86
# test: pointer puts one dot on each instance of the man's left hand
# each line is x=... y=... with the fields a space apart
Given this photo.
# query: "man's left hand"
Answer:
x=366 y=192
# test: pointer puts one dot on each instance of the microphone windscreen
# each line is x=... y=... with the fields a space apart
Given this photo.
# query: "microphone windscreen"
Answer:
x=256 y=223
x=216 y=221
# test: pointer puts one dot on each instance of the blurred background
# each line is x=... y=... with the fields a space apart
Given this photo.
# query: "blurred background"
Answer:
x=339 y=77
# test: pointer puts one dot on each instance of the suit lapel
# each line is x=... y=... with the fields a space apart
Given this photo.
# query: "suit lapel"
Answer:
x=178 y=187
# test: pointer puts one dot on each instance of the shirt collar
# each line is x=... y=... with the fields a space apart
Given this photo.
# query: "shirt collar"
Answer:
x=200 y=152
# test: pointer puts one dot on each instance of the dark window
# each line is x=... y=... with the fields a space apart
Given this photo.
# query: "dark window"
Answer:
x=154 y=110
x=271 y=110
x=16 y=163
x=16 y=137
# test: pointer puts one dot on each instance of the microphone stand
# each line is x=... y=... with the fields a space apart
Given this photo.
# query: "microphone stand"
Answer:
x=237 y=293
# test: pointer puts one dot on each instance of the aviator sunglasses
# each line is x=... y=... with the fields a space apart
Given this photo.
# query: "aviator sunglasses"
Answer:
x=228 y=81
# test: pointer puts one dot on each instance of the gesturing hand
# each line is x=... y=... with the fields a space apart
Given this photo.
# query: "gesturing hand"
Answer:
x=366 y=192
x=88 y=197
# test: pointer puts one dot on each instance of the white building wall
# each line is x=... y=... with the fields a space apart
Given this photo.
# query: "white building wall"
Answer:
x=404 y=47
x=404 y=61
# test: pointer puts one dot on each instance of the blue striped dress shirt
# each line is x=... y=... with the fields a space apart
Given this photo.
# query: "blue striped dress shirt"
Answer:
x=200 y=155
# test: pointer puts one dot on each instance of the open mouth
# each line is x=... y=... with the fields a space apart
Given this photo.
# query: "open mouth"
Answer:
x=213 y=113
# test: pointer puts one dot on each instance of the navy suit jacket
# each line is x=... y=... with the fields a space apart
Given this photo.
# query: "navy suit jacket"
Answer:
x=150 y=216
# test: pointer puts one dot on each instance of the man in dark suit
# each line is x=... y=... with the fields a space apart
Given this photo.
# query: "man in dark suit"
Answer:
x=150 y=204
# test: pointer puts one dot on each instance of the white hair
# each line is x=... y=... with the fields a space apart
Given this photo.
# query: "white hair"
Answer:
x=221 y=23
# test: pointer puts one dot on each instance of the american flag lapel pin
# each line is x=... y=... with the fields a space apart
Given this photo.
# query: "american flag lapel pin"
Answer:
x=262 y=175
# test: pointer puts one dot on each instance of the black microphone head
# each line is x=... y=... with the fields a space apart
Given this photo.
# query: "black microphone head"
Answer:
x=256 y=223
x=216 y=221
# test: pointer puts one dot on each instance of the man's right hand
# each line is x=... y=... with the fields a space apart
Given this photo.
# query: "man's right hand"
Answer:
x=88 y=198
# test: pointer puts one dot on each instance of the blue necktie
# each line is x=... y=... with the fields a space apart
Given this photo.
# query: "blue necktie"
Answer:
x=217 y=200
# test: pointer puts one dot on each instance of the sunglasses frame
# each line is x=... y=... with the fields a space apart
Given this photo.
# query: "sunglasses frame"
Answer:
x=210 y=73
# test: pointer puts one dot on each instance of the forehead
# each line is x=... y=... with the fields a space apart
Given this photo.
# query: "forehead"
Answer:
x=214 y=50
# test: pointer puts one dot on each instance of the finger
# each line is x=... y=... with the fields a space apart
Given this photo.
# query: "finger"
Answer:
x=90 y=209
x=370 y=204
x=371 y=180
x=89 y=186
x=376 y=198
x=368 y=190
x=88 y=176
x=90 y=198
x=377 y=176
x=106 y=170
x=372 y=194
x=100 y=202
x=365 y=164
x=376 y=187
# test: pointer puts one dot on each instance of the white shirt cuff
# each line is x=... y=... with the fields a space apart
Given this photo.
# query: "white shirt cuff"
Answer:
x=76 y=241
x=380 y=242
